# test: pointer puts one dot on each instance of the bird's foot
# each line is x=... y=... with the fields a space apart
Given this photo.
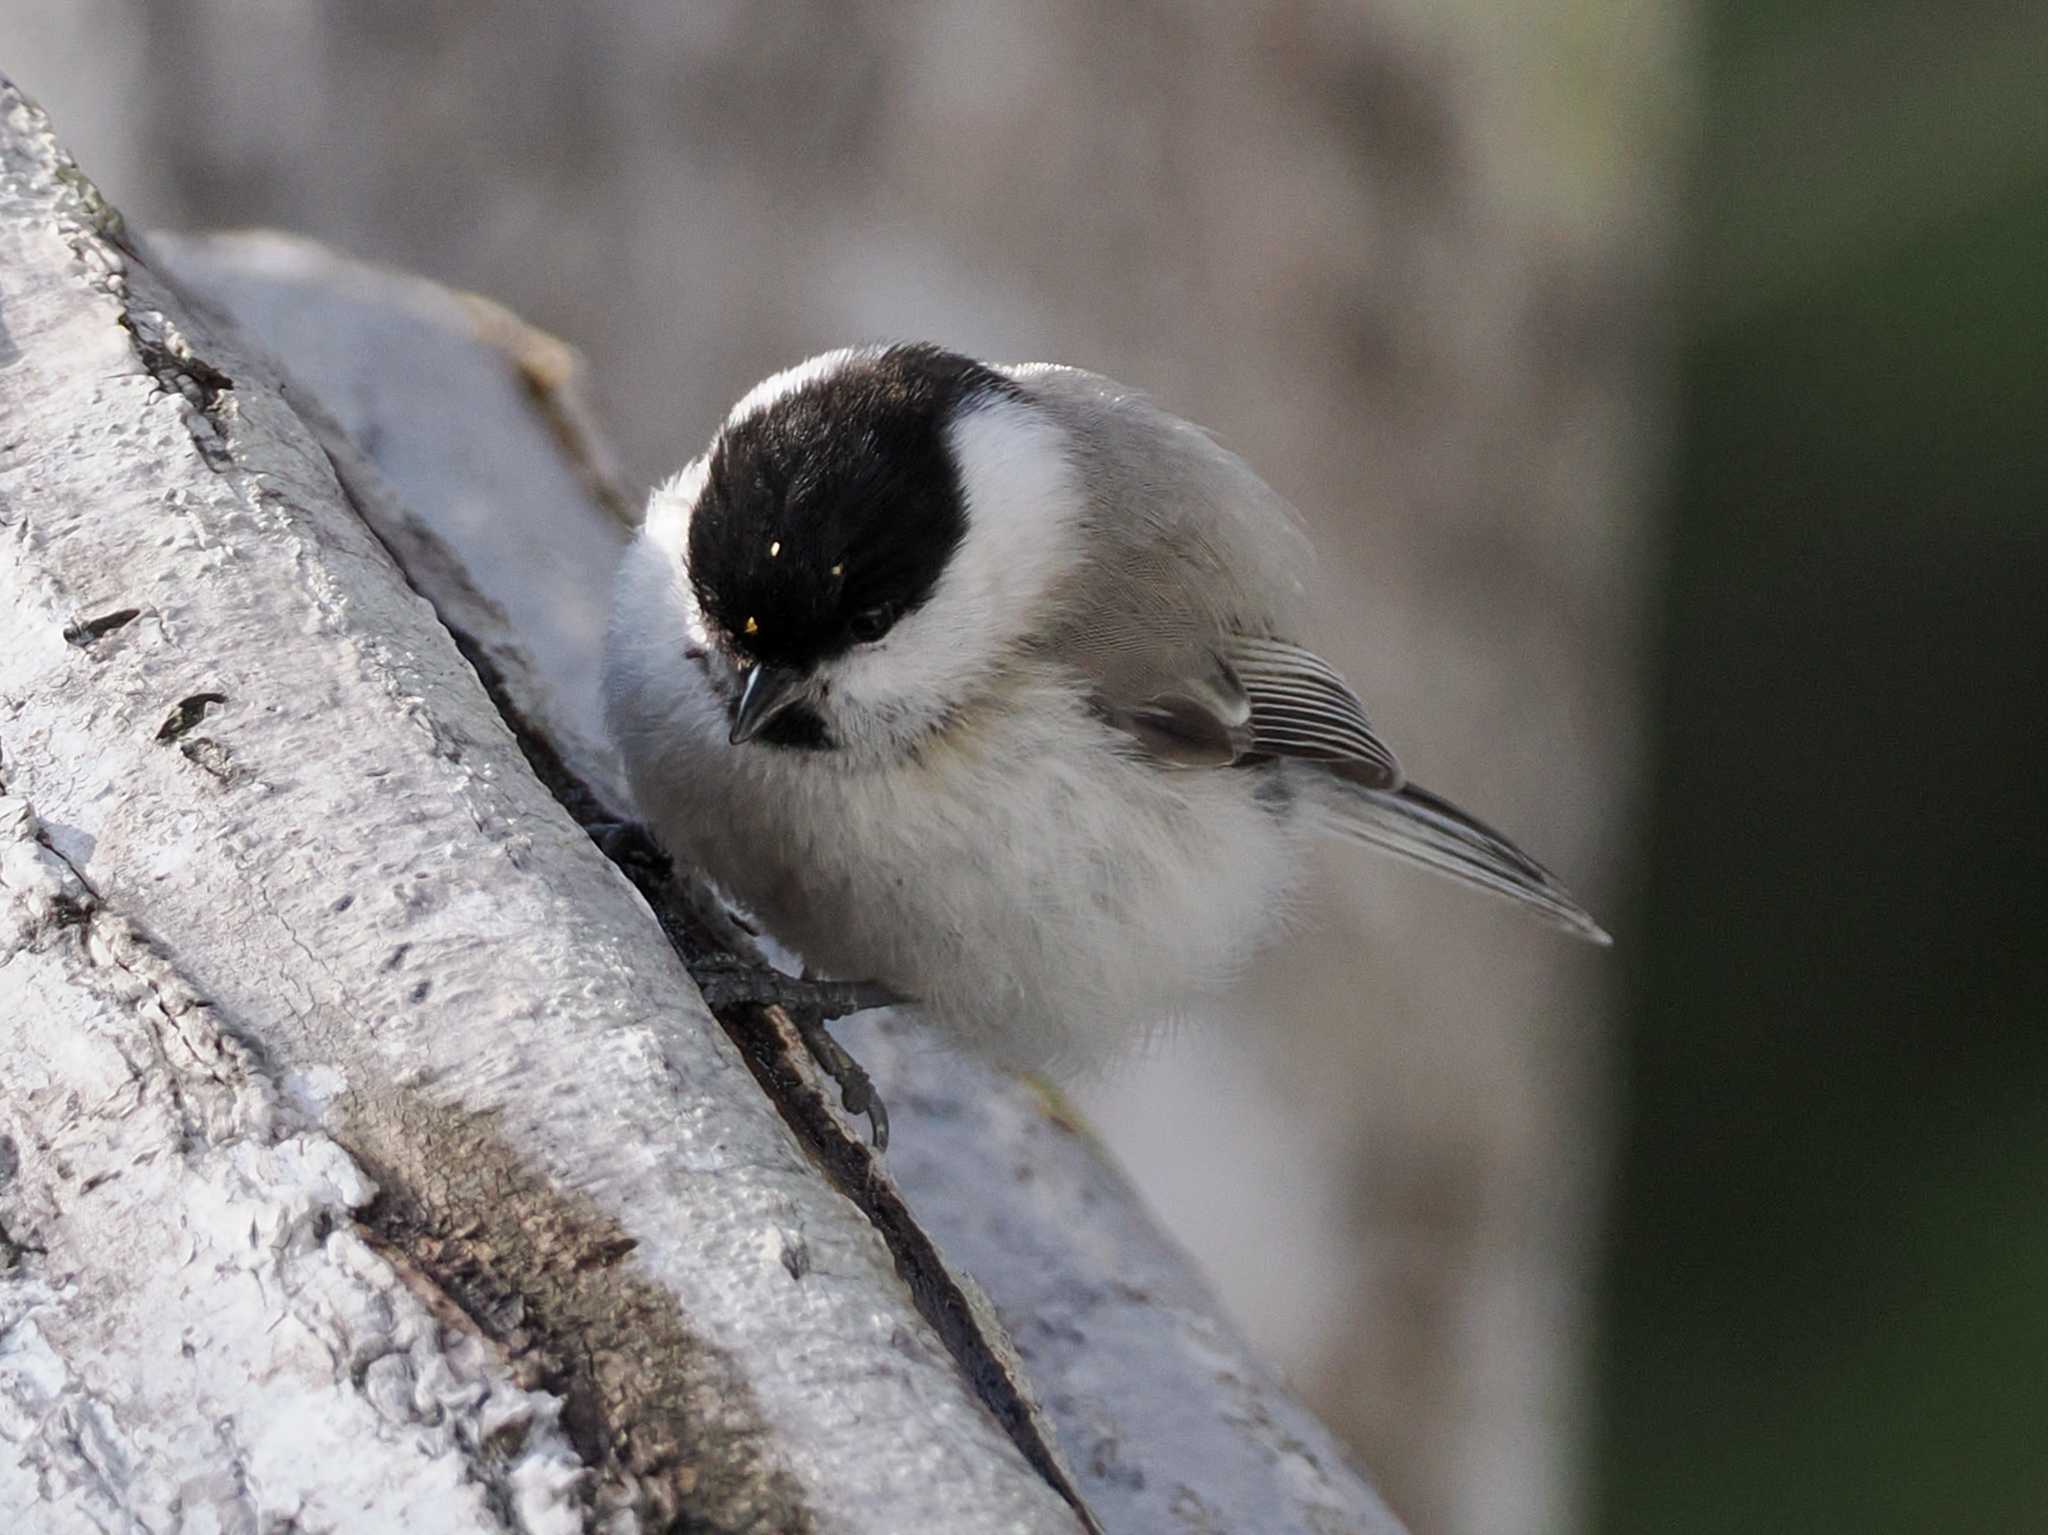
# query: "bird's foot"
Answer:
x=726 y=980
x=811 y=1004
x=726 y=985
x=857 y=1093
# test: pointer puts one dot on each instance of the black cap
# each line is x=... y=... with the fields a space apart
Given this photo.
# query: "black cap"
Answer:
x=830 y=512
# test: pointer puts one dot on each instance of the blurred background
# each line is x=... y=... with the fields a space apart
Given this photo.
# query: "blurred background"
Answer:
x=1667 y=384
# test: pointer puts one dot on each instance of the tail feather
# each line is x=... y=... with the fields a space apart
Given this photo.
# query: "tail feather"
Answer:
x=1413 y=824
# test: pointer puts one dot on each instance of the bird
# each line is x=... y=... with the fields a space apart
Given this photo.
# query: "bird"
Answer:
x=986 y=685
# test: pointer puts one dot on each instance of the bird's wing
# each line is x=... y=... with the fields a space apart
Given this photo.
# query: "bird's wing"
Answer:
x=1244 y=698
x=1300 y=707
x=1193 y=560
x=1426 y=829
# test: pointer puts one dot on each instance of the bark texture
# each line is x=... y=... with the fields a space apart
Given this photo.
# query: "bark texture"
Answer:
x=281 y=768
x=370 y=1160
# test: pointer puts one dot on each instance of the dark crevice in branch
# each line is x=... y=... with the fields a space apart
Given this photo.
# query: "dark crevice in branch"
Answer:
x=710 y=944
x=86 y=631
x=770 y=1044
x=187 y=716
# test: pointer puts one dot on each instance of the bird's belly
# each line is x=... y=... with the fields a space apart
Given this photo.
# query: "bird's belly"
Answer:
x=1042 y=903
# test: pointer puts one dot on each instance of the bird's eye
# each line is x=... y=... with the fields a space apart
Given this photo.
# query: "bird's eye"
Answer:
x=870 y=624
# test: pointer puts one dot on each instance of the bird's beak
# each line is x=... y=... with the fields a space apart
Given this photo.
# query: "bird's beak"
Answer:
x=769 y=690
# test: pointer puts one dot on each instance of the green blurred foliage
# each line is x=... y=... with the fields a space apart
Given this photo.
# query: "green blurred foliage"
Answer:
x=1827 y=1302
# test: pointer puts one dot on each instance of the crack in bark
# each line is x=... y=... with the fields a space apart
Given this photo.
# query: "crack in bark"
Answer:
x=177 y=369
x=187 y=715
x=769 y=1043
x=88 y=631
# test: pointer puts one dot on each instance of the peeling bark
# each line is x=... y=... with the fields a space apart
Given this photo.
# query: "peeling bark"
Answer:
x=267 y=1363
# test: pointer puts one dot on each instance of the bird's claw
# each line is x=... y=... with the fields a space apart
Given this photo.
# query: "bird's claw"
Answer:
x=857 y=1093
x=810 y=1004
x=729 y=981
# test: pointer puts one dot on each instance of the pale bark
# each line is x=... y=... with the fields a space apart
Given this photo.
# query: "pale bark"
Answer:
x=282 y=769
x=372 y=1161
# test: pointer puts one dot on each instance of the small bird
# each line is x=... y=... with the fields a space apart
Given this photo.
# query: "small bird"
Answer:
x=985 y=684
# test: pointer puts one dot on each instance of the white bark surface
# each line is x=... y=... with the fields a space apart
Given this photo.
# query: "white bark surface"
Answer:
x=280 y=770
x=193 y=1332
x=1167 y=1422
x=371 y=1162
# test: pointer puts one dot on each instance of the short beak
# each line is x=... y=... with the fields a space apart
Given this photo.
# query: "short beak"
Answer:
x=769 y=690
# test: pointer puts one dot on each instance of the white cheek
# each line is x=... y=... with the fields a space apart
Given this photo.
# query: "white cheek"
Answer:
x=904 y=680
x=1024 y=509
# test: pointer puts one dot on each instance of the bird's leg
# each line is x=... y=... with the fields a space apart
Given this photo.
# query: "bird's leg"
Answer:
x=811 y=1004
x=716 y=941
x=726 y=983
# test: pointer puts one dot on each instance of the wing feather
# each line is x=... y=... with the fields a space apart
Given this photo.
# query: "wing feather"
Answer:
x=1188 y=557
x=1426 y=829
x=1301 y=707
x=1248 y=698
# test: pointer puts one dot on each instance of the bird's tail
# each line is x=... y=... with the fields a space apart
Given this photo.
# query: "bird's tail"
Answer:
x=1414 y=824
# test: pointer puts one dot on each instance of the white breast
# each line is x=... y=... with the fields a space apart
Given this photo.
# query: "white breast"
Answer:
x=1041 y=893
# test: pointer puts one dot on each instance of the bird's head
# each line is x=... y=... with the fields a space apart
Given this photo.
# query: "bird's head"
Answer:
x=867 y=535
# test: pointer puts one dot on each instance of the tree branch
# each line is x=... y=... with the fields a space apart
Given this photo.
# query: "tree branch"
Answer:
x=350 y=861
x=1154 y=1402
x=557 y=1258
